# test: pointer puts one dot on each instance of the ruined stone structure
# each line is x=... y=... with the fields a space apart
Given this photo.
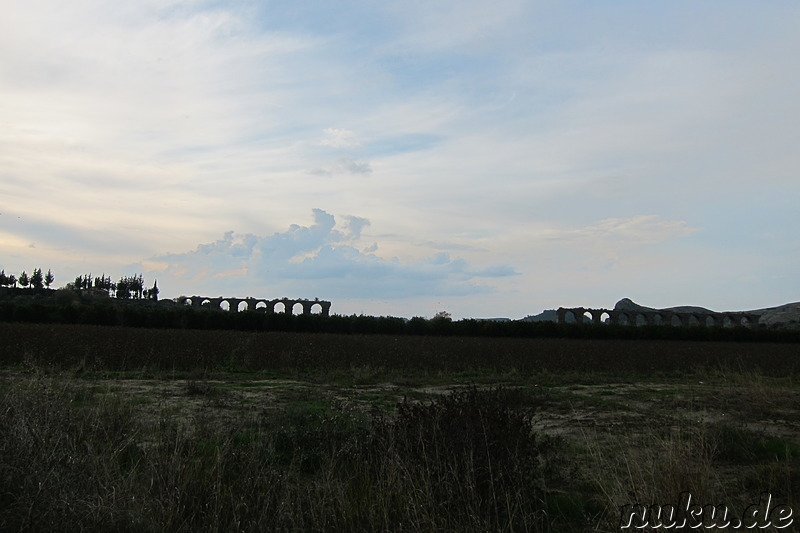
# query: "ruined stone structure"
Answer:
x=258 y=304
x=656 y=317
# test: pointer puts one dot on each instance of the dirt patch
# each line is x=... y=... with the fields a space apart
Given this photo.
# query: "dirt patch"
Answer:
x=573 y=410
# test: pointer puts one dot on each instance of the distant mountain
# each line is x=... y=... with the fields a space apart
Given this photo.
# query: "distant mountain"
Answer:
x=626 y=304
x=787 y=315
x=548 y=315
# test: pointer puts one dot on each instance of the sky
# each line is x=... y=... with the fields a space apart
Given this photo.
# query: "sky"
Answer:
x=488 y=159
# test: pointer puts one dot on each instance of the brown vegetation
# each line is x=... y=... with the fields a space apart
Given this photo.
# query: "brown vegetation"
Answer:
x=113 y=429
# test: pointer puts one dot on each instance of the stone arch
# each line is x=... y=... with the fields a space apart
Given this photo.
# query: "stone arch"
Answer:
x=582 y=315
x=282 y=305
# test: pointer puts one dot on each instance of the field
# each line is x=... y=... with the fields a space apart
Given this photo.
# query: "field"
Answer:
x=115 y=429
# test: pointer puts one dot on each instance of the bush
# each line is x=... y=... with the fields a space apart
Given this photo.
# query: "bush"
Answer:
x=471 y=459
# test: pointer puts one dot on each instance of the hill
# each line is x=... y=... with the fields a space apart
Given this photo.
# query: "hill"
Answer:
x=787 y=315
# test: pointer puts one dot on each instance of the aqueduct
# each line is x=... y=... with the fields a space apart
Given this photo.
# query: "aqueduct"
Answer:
x=582 y=315
x=258 y=304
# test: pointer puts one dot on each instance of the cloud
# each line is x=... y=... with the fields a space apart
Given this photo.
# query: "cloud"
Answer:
x=451 y=246
x=340 y=138
x=354 y=226
x=471 y=25
x=535 y=134
x=637 y=230
x=343 y=165
x=321 y=259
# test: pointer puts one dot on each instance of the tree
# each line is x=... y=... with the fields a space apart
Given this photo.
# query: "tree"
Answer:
x=139 y=285
x=130 y=287
x=123 y=290
x=23 y=279
x=104 y=283
x=12 y=280
x=152 y=294
x=49 y=279
x=3 y=278
x=37 y=280
x=443 y=315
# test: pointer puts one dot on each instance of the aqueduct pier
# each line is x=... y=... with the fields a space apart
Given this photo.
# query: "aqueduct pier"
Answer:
x=280 y=305
x=582 y=315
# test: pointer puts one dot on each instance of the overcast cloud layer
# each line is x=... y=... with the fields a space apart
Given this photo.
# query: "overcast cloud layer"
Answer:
x=489 y=159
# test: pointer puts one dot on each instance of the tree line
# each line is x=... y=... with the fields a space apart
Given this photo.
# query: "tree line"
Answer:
x=79 y=304
x=127 y=288
x=36 y=280
x=83 y=307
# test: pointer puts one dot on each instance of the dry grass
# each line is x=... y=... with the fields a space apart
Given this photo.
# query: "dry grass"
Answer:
x=297 y=435
x=72 y=459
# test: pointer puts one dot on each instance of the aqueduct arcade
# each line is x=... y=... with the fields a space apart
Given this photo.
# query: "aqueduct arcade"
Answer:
x=582 y=315
x=280 y=305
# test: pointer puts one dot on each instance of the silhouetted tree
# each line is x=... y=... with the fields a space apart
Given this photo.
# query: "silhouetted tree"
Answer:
x=3 y=278
x=139 y=286
x=12 y=280
x=23 y=279
x=152 y=294
x=123 y=291
x=130 y=287
x=49 y=278
x=37 y=279
x=104 y=283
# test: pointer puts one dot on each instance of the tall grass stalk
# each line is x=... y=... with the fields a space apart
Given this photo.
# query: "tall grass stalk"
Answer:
x=74 y=459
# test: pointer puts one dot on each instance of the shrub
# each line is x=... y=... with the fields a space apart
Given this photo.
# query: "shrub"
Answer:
x=473 y=454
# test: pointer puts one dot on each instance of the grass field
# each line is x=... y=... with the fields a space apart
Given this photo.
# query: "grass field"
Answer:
x=113 y=429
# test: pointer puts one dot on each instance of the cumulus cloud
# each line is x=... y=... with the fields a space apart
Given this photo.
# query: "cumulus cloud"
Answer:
x=134 y=128
x=323 y=259
x=354 y=225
